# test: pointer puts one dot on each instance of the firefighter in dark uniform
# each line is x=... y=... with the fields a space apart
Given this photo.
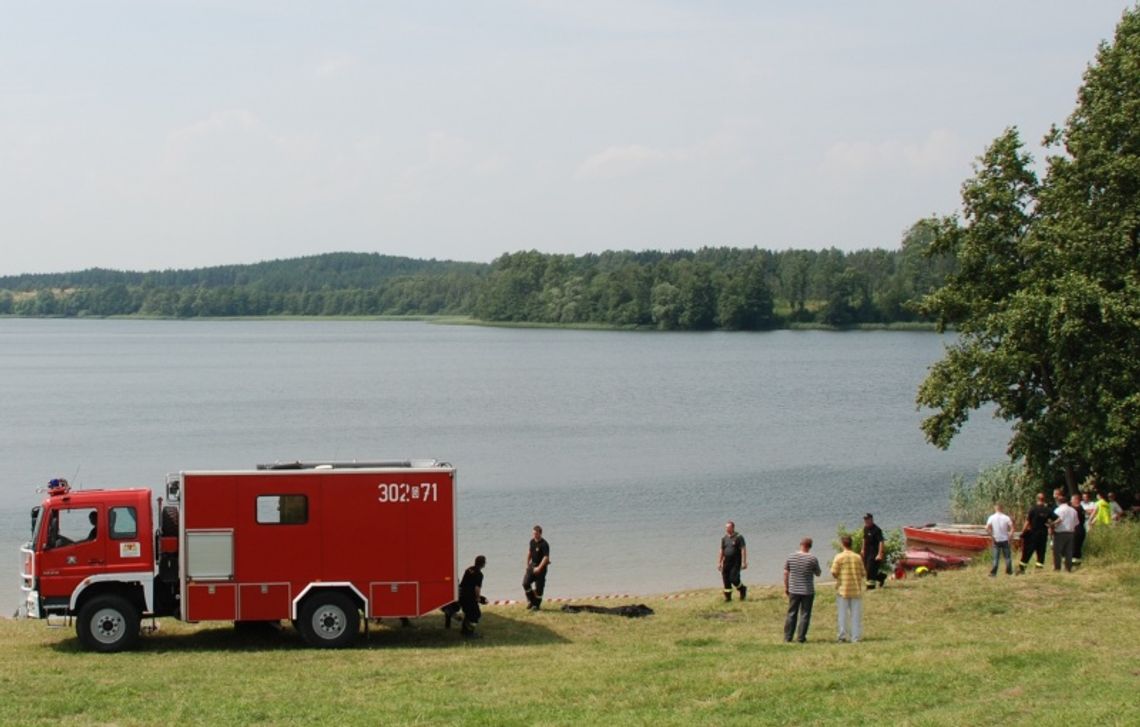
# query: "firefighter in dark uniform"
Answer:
x=733 y=559
x=470 y=596
x=874 y=552
x=537 y=563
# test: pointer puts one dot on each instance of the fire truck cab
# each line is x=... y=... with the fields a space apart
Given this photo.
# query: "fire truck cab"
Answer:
x=320 y=544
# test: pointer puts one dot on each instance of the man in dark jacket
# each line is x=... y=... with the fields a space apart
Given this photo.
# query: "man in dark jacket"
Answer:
x=537 y=562
x=733 y=559
x=874 y=545
x=470 y=596
x=1035 y=534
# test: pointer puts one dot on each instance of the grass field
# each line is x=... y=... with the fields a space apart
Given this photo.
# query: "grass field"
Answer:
x=960 y=648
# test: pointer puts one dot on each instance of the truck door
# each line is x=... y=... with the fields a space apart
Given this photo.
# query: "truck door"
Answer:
x=125 y=545
x=74 y=548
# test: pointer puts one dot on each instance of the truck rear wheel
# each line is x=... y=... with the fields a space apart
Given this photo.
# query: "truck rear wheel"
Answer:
x=329 y=620
x=107 y=624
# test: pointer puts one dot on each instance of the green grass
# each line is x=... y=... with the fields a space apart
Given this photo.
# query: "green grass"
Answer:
x=959 y=648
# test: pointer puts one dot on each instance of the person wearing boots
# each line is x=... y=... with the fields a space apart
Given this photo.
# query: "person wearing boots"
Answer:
x=537 y=563
x=873 y=552
x=733 y=559
x=471 y=596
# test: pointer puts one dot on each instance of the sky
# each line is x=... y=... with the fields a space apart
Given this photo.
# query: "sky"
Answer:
x=154 y=134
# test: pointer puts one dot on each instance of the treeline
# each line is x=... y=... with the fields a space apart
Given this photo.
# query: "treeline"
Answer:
x=729 y=288
x=333 y=284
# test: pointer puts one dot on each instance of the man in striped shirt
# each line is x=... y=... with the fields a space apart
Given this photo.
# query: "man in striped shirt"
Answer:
x=800 y=571
x=849 y=574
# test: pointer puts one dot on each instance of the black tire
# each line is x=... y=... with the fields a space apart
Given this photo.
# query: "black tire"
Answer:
x=329 y=620
x=108 y=624
x=169 y=521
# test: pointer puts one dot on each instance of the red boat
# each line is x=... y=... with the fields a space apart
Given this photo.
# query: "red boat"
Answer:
x=916 y=557
x=953 y=539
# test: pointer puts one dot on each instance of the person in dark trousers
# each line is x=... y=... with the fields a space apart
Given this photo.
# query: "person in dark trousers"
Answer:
x=873 y=552
x=733 y=559
x=1035 y=535
x=537 y=563
x=471 y=596
x=800 y=571
x=1081 y=531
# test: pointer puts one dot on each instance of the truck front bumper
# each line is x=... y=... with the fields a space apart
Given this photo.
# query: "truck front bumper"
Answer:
x=32 y=605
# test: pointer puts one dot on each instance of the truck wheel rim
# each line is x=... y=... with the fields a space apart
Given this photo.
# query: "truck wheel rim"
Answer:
x=107 y=625
x=329 y=622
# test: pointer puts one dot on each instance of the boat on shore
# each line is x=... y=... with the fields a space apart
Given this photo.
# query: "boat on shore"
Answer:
x=952 y=538
x=924 y=557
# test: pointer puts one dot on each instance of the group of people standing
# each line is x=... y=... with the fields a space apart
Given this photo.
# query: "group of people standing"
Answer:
x=1066 y=521
x=853 y=572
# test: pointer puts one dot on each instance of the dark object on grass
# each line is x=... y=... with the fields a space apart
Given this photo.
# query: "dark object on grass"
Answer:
x=631 y=611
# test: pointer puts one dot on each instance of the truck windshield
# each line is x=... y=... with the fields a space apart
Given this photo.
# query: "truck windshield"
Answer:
x=36 y=521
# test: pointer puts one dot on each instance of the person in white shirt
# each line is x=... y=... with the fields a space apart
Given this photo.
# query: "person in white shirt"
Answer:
x=1064 y=524
x=1000 y=527
x=1089 y=506
x=1114 y=506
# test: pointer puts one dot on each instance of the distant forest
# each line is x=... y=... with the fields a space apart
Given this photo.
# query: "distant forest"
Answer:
x=728 y=288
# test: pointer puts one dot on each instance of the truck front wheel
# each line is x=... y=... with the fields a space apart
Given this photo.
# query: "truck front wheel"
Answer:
x=329 y=620
x=107 y=624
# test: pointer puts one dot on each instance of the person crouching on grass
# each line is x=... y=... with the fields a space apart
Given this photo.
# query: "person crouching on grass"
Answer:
x=471 y=596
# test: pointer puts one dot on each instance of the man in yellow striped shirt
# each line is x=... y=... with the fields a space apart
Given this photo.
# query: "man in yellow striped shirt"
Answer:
x=850 y=575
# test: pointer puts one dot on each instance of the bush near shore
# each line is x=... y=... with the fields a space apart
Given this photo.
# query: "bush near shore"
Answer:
x=959 y=648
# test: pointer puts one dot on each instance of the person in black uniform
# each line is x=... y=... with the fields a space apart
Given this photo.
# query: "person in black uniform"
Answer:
x=874 y=545
x=537 y=563
x=1080 y=533
x=1035 y=536
x=470 y=596
x=733 y=559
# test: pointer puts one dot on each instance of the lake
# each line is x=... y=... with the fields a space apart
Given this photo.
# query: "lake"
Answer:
x=630 y=448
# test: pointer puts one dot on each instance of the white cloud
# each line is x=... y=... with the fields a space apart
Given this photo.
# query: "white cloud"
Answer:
x=621 y=161
x=940 y=150
x=334 y=66
x=729 y=146
x=218 y=123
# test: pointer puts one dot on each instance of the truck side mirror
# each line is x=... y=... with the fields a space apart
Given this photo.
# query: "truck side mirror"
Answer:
x=35 y=518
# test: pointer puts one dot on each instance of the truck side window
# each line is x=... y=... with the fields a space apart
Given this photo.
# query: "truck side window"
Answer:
x=68 y=527
x=282 y=509
x=122 y=523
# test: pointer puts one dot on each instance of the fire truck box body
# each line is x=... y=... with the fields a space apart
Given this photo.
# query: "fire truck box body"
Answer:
x=317 y=544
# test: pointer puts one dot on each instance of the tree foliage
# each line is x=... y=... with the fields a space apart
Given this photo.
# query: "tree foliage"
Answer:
x=1046 y=296
x=727 y=288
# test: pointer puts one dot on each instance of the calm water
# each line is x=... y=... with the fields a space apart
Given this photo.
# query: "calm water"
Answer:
x=631 y=449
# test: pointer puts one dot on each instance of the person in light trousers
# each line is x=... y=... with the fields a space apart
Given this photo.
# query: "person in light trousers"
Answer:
x=850 y=576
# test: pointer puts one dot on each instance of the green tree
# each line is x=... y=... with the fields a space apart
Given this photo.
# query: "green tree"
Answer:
x=745 y=301
x=1046 y=299
x=666 y=306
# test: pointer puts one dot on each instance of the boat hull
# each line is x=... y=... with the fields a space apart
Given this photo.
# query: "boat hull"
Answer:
x=950 y=539
x=916 y=557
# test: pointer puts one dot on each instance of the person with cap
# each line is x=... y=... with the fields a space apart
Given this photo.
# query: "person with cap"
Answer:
x=733 y=559
x=537 y=563
x=471 y=596
x=873 y=552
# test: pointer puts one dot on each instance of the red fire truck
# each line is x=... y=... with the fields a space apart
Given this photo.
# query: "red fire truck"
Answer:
x=317 y=543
